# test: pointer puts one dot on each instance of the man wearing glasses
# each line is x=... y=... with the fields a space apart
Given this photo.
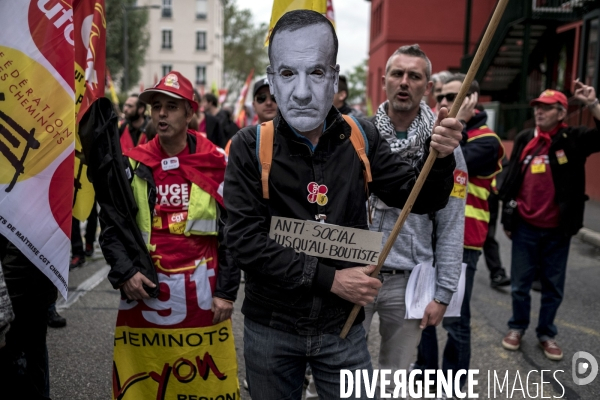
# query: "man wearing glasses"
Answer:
x=544 y=193
x=264 y=102
x=296 y=304
x=483 y=153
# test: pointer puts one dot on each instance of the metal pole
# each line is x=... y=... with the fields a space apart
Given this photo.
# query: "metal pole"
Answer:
x=467 y=29
x=125 y=52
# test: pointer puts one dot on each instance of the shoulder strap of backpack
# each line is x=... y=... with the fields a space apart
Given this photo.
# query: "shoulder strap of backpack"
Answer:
x=264 y=149
x=264 y=153
x=360 y=143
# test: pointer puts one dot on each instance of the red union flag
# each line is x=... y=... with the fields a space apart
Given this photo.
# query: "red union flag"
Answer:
x=37 y=114
x=90 y=53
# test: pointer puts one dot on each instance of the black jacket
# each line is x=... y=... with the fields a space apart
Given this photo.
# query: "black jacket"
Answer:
x=569 y=178
x=121 y=240
x=291 y=291
x=481 y=154
x=214 y=130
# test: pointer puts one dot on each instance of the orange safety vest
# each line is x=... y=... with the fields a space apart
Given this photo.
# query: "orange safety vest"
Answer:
x=477 y=211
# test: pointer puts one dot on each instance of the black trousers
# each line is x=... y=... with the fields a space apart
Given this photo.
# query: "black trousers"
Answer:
x=90 y=232
x=24 y=359
x=491 y=249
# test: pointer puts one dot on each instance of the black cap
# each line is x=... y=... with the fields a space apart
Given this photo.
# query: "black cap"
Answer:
x=259 y=84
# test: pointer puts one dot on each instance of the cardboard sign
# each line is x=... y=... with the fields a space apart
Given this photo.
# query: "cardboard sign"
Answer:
x=326 y=240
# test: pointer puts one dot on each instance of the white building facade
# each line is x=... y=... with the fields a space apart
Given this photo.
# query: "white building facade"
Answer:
x=186 y=36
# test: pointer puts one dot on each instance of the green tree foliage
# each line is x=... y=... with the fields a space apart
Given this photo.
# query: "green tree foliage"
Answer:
x=243 y=46
x=137 y=43
x=357 y=83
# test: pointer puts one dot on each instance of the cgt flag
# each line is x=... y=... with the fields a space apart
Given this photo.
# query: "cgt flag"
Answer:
x=280 y=7
x=90 y=55
x=37 y=131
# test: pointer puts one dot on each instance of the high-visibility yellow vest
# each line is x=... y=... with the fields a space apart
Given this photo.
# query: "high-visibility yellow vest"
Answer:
x=477 y=211
x=203 y=212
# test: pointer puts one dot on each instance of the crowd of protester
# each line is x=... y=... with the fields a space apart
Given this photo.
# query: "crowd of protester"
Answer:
x=291 y=297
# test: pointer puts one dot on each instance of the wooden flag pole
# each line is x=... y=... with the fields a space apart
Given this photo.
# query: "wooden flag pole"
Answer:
x=485 y=42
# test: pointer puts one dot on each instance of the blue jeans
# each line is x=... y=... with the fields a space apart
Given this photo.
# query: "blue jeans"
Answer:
x=547 y=249
x=457 y=354
x=276 y=361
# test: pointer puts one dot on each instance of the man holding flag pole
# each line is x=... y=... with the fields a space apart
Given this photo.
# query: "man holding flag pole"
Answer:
x=296 y=304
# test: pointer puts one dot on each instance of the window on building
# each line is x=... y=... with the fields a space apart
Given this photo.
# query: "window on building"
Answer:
x=167 y=8
x=201 y=9
x=166 y=68
x=200 y=40
x=200 y=75
x=378 y=19
x=167 y=39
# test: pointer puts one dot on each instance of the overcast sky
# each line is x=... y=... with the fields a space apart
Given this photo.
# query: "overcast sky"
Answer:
x=352 y=26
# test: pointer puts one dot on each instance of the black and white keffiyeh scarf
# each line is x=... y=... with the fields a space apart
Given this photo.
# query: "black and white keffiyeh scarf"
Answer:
x=411 y=148
x=419 y=130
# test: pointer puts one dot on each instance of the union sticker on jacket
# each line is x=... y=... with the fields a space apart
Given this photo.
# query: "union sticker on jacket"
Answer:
x=460 y=184
x=561 y=157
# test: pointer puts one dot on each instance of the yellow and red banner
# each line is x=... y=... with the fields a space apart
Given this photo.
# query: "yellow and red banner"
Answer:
x=168 y=347
x=280 y=7
x=90 y=60
x=37 y=113
x=38 y=129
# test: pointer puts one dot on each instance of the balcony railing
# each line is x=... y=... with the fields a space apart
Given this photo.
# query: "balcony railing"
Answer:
x=557 y=6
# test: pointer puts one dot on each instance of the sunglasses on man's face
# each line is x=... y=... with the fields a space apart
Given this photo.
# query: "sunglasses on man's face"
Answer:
x=448 y=96
x=261 y=98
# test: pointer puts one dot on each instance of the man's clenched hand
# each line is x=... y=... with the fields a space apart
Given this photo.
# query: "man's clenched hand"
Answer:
x=355 y=285
x=222 y=309
x=133 y=287
x=447 y=134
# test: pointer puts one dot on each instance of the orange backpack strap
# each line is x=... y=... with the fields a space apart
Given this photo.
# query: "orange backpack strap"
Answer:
x=360 y=143
x=264 y=150
x=264 y=153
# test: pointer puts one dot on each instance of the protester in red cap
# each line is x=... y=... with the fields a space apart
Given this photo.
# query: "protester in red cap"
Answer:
x=544 y=196
x=174 y=319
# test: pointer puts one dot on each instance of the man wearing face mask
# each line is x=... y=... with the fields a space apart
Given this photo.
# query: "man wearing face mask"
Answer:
x=295 y=304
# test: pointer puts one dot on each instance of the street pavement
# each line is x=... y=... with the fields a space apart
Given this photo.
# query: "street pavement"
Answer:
x=81 y=353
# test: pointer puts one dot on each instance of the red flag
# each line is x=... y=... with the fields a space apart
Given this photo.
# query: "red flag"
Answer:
x=239 y=104
x=222 y=95
x=90 y=52
x=329 y=14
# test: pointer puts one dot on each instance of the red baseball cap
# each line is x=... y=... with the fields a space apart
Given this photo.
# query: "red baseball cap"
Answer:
x=173 y=84
x=549 y=96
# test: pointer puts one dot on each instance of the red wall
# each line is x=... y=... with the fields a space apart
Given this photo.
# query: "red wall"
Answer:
x=438 y=26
